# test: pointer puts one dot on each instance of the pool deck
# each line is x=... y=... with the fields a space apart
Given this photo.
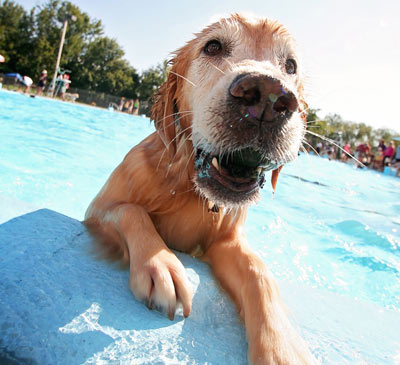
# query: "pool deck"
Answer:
x=61 y=305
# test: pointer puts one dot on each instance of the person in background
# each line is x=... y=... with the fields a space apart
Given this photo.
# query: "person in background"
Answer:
x=382 y=144
x=388 y=154
x=346 y=148
x=121 y=104
x=331 y=152
x=64 y=86
x=128 y=106
x=364 y=150
x=396 y=160
x=396 y=157
x=26 y=82
x=378 y=158
x=318 y=147
x=130 y=109
x=42 y=82
x=136 y=105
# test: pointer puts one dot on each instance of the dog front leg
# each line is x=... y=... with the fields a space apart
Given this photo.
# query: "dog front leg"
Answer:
x=271 y=337
x=156 y=275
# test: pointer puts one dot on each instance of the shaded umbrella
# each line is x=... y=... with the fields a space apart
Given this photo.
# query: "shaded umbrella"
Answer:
x=16 y=75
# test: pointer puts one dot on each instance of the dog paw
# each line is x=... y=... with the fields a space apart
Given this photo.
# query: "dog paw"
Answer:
x=161 y=282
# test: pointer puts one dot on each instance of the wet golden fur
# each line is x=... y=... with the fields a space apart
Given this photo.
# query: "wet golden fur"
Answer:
x=150 y=205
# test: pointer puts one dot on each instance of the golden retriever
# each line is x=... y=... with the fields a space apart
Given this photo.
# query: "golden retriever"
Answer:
x=231 y=109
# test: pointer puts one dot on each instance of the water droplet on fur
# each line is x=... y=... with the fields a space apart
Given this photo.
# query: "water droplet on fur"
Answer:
x=272 y=97
x=230 y=126
x=172 y=192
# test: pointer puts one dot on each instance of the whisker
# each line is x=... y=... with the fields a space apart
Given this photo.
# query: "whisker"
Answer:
x=167 y=125
x=204 y=204
x=167 y=144
x=303 y=149
x=217 y=68
x=180 y=146
x=184 y=78
x=162 y=155
x=335 y=144
x=172 y=140
x=178 y=134
x=186 y=191
x=187 y=112
x=190 y=156
x=230 y=64
x=309 y=144
x=236 y=212
x=166 y=147
x=187 y=163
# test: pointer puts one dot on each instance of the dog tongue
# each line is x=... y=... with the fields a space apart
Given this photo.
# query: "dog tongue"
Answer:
x=274 y=177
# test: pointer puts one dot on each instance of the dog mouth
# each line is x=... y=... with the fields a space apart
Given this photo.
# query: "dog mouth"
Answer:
x=239 y=172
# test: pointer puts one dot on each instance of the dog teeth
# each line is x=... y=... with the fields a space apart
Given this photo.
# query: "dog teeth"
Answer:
x=210 y=204
x=259 y=170
x=215 y=163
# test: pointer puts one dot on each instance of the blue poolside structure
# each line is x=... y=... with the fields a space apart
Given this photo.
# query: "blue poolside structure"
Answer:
x=61 y=305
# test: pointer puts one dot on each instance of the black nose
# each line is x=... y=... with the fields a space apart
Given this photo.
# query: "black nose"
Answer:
x=263 y=98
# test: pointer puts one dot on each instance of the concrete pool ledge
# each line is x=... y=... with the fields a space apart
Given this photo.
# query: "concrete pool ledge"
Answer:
x=60 y=305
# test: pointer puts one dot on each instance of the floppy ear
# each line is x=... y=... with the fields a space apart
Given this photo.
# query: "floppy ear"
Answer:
x=170 y=98
x=162 y=112
x=303 y=106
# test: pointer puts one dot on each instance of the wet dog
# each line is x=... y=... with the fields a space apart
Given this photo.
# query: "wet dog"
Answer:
x=230 y=111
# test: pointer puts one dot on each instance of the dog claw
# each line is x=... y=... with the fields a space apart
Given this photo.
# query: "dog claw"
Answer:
x=149 y=304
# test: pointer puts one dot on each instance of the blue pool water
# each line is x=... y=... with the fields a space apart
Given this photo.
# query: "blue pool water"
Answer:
x=330 y=226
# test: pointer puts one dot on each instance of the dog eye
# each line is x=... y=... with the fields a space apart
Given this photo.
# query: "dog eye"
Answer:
x=291 y=66
x=213 y=48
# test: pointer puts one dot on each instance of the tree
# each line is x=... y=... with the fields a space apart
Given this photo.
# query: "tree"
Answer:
x=49 y=19
x=102 y=68
x=335 y=128
x=151 y=79
x=16 y=45
x=30 y=44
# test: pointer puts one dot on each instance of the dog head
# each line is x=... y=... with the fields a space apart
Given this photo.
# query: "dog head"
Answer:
x=236 y=90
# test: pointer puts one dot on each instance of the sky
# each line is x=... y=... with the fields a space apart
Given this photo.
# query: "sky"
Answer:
x=350 y=48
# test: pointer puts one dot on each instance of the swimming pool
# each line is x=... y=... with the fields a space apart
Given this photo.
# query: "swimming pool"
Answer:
x=329 y=226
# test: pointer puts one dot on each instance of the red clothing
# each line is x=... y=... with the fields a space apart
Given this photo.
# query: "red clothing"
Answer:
x=389 y=152
x=363 y=148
